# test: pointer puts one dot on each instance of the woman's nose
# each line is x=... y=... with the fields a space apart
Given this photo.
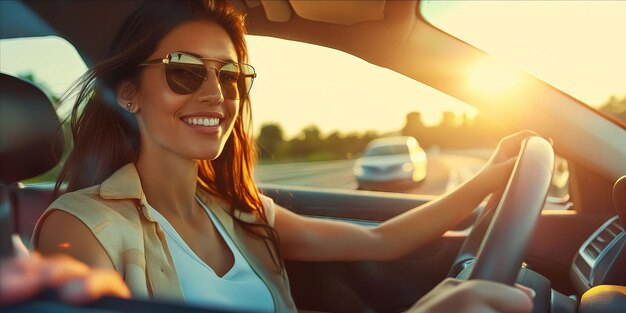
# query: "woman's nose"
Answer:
x=211 y=90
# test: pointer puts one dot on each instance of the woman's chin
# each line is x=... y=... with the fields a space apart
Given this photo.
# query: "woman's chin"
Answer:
x=207 y=155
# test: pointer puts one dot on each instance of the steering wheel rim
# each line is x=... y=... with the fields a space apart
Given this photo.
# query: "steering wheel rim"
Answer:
x=471 y=244
x=503 y=245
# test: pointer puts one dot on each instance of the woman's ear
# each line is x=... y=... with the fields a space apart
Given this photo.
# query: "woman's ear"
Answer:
x=125 y=94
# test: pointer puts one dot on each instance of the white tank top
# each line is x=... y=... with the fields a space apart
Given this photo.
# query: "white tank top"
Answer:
x=240 y=289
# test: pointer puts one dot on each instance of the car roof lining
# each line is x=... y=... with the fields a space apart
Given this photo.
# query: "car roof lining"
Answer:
x=342 y=12
x=387 y=32
x=15 y=12
x=334 y=22
x=102 y=18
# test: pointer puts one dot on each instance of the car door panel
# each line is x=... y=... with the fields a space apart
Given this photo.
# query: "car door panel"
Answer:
x=557 y=237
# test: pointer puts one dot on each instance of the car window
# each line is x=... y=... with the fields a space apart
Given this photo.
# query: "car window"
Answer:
x=313 y=121
x=387 y=150
x=575 y=46
x=52 y=64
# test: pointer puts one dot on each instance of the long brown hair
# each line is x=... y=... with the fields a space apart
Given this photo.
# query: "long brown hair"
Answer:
x=105 y=136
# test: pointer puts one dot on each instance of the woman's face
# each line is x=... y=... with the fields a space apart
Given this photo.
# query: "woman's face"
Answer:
x=163 y=115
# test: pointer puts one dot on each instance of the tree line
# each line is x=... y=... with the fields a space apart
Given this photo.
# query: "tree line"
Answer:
x=311 y=145
x=453 y=132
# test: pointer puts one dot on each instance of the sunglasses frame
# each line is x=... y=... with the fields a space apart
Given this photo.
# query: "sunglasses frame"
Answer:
x=167 y=60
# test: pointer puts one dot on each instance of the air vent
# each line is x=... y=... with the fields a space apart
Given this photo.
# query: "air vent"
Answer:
x=583 y=267
x=599 y=243
x=594 y=251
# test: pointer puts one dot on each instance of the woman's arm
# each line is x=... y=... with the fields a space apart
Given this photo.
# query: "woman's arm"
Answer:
x=309 y=239
x=64 y=233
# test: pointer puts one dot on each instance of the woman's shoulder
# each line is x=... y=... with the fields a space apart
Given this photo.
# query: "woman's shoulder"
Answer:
x=113 y=223
x=106 y=218
x=269 y=208
x=73 y=196
x=116 y=193
x=90 y=206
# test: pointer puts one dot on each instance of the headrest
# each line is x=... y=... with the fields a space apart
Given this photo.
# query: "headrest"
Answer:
x=31 y=138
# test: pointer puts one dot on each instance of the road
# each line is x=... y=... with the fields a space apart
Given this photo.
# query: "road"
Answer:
x=446 y=169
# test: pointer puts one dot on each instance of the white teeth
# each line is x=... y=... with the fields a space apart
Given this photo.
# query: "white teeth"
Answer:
x=210 y=121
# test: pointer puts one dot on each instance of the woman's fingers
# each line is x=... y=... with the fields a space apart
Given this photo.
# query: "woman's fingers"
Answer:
x=453 y=295
x=58 y=269
x=528 y=291
x=511 y=145
x=24 y=277
x=502 y=298
x=20 y=279
x=97 y=283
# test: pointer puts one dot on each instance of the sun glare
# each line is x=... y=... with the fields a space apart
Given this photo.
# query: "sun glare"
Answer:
x=576 y=46
x=493 y=77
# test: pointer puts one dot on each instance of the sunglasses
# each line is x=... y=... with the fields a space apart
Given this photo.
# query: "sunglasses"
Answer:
x=185 y=73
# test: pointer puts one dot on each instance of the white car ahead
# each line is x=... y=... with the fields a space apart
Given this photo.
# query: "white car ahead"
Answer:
x=389 y=162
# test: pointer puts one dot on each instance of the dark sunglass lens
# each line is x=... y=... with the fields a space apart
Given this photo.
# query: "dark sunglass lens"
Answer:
x=248 y=75
x=229 y=81
x=236 y=80
x=185 y=73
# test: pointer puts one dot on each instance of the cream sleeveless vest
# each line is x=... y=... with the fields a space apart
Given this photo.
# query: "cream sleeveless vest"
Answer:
x=136 y=243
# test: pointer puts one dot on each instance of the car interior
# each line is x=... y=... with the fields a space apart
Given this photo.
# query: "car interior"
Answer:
x=574 y=258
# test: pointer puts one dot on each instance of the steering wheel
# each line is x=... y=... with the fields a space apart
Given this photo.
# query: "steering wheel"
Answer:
x=500 y=235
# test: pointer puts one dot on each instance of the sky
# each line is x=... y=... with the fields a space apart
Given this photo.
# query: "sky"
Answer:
x=577 y=46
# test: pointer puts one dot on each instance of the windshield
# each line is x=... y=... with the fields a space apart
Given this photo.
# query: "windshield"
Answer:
x=387 y=150
x=576 y=46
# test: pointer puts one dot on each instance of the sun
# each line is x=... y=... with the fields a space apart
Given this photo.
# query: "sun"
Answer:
x=493 y=77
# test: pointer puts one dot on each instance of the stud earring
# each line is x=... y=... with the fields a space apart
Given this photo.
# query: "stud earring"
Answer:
x=131 y=108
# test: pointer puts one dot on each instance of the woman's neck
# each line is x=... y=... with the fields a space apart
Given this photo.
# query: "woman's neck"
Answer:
x=169 y=183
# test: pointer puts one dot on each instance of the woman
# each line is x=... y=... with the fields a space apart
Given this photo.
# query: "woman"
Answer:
x=159 y=185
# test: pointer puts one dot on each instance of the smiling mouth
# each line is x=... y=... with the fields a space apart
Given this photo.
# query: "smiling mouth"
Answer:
x=202 y=121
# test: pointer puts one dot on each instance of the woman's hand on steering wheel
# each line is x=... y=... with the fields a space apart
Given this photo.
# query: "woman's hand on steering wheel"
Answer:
x=497 y=170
